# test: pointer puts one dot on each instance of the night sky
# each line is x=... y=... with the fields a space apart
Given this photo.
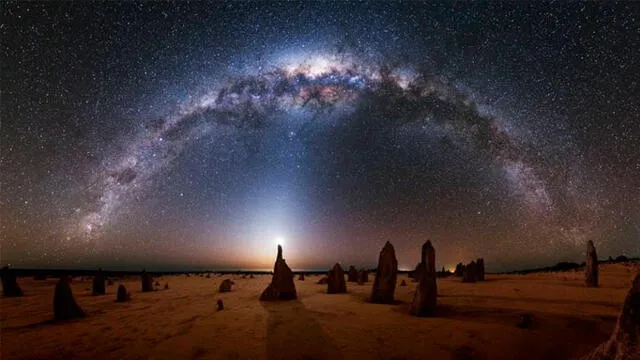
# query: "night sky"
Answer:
x=198 y=135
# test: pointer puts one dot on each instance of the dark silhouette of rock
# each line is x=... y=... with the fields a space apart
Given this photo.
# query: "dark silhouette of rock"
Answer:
x=459 y=271
x=225 y=286
x=323 y=280
x=621 y=258
x=335 y=280
x=353 y=274
x=147 y=281
x=363 y=277
x=220 y=305
x=426 y=295
x=480 y=270
x=64 y=305
x=301 y=277
x=624 y=343
x=470 y=273
x=282 y=286
x=10 y=286
x=251 y=276
x=403 y=283
x=526 y=321
x=384 y=284
x=122 y=295
x=591 y=270
x=109 y=282
x=208 y=276
x=270 y=294
x=98 y=287
x=417 y=272
x=166 y=286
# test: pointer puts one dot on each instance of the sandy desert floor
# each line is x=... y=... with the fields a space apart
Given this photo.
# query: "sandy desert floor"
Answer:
x=474 y=321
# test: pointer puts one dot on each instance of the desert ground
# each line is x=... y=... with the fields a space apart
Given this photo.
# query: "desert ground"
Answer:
x=474 y=320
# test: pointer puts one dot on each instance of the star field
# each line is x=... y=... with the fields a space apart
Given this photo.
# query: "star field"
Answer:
x=177 y=135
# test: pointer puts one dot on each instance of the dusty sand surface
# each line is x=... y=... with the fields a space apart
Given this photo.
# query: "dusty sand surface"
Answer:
x=474 y=321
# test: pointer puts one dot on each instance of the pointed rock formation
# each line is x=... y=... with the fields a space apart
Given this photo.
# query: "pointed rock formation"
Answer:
x=10 y=286
x=147 y=281
x=624 y=343
x=122 y=295
x=403 y=283
x=384 y=285
x=281 y=286
x=480 y=270
x=225 y=286
x=426 y=295
x=323 y=280
x=459 y=271
x=470 y=273
x=301 y=277
x=64 y=305
x=353 y=274
x=416 y=273
x=220 y=305
x=166 y=286
x=363 y=277
x=335 y=280
x=591 y=270
x=98 y=284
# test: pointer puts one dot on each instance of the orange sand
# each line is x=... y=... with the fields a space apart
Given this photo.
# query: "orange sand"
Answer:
x=474 y=321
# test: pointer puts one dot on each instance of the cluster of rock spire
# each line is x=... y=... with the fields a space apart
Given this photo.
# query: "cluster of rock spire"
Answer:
x=472 y=272
x=623 y=344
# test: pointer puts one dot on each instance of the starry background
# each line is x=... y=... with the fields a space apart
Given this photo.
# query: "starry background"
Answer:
x=177 y=135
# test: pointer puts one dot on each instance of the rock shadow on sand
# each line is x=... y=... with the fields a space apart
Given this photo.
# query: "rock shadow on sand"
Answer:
x=366 y=299
x=293 y=333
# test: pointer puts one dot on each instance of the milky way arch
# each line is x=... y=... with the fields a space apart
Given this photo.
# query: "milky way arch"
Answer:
x=316 y=85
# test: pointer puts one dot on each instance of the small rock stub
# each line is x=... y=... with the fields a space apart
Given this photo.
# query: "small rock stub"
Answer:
x=353 y=274
x=98 y=284
x=122 y=295
x=64 y=304
x=147 y=281
x=335 y=280
x=225 y=286
x=10 y=287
